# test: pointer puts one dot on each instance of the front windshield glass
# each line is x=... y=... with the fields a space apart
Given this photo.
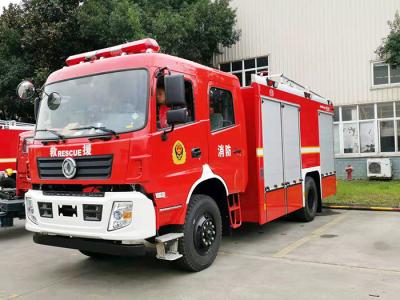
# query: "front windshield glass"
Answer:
x=116 y=101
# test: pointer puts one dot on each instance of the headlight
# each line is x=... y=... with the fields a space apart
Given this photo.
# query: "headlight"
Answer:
x=30 y=211
x=121 y=215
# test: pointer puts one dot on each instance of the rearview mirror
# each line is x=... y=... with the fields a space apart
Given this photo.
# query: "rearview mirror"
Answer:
x=54 y=100
x=177 y=116
x=174 y=90
x=26 y=90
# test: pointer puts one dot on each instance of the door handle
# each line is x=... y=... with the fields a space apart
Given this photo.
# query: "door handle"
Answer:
x=237 y=151
x=196 y=152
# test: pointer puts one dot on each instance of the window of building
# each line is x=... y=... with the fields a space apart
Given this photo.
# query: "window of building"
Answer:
x=336 y=114
x=243 y=69
x=395 y=74
x=386 y=133
x=398 y=132
x=383 y=73
x=385 y=110
x=367 y=137
x=349 y=113
x=350 y=138
x=398 y=109
x=366 y=111
x=221 y=109
x=336 y=138
x=377 y=129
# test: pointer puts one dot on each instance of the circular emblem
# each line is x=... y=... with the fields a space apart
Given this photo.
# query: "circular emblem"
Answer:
x=178 y=153
x=271 y=92
x=69 y=167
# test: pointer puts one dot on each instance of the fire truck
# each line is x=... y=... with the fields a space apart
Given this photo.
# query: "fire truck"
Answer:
x=14 y=139
x=108 y=179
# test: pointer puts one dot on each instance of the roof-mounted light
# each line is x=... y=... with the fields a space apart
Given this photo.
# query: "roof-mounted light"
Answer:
x=142 y=46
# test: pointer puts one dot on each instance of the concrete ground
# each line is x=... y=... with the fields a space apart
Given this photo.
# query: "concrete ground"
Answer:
x=341 y=255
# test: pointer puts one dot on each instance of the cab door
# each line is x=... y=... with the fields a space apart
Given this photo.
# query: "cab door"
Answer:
x=177 y=156
x=227 y=149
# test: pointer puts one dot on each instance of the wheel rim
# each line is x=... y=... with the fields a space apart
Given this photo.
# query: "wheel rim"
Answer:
x=204 y=233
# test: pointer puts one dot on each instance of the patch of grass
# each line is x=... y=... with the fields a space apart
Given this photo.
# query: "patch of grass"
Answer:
x=366 y=193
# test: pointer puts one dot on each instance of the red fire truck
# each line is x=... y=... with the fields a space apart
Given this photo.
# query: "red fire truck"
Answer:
x=108 y=178
x=14 y=140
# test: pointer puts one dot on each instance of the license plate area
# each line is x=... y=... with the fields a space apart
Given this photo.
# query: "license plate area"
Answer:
x=67 y=211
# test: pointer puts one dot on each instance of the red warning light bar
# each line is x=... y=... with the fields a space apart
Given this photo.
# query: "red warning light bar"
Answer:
x=141 y=46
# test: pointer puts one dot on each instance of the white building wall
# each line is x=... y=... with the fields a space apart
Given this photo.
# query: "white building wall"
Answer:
x=324 y=44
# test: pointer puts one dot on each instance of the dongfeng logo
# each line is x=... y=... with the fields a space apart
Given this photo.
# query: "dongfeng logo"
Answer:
x=69 y=167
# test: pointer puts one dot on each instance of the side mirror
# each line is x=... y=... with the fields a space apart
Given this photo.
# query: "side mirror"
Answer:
x=26 y=90
x=177 y=116
x=174 y=90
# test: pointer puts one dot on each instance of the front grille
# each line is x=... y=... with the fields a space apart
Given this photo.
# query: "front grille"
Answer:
x=73 y=194
x=88 y=167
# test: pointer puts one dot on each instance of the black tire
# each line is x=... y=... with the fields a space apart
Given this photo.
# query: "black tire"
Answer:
x=6 y=221
x=8 y=183
x=202 y=234
x=308 y=212
x=95 y=255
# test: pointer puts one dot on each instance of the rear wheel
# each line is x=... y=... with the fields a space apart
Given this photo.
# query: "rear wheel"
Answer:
x=202 y=234
x=308 y=212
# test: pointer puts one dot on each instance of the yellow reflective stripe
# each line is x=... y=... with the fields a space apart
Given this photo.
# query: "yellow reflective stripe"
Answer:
x=260 y=152
x=7 y=160
x=309 y=150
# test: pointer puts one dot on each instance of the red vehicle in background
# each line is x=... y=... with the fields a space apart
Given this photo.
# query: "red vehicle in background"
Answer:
x=14 y=180
x=108 y=178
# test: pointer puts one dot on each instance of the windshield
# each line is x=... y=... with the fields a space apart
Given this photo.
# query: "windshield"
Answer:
x=115 y=101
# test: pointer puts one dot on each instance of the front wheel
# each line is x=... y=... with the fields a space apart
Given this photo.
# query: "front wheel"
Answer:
x=308 y=212
x=202 y=234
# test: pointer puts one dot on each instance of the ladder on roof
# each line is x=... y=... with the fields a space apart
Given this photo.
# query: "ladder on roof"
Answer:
x=286 y=80
x=283 y=82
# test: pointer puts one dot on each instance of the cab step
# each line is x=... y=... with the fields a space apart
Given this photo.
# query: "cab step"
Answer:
x=235 y=211
x=167 y=246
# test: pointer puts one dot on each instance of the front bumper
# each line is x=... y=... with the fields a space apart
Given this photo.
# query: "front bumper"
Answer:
x=91 y=245
x=143 y=224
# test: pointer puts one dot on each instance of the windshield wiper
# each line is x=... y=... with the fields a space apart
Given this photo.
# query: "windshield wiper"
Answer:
x=104 y=129
x=55 y=132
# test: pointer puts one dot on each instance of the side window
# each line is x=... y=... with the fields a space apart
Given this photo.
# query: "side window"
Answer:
x=162 y=108
x=189 y=100
x=221 y=109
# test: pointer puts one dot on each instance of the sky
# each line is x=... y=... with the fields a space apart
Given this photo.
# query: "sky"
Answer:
x=5 y=3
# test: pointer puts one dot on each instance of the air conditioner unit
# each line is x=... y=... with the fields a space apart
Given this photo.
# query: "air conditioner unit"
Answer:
x=379 y=168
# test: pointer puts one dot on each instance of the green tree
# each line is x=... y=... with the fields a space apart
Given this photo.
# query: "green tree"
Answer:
x=390 y=48
x=37 y=36
x=13 y=66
